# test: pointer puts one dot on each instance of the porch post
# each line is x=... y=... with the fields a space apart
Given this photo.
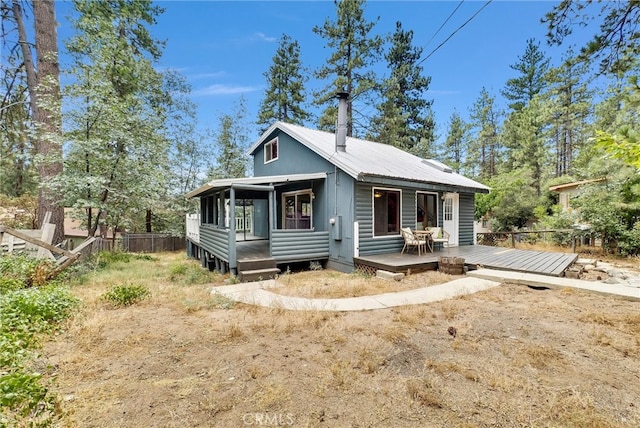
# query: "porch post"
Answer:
x=233 y=265
x=271 y=218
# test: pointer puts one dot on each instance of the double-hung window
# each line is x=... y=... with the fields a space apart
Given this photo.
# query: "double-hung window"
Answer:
x=271 y=150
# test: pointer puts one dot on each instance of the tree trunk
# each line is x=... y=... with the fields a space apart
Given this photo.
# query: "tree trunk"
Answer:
x=44 y=97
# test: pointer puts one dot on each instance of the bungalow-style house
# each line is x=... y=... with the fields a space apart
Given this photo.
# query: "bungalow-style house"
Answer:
x=319 y=196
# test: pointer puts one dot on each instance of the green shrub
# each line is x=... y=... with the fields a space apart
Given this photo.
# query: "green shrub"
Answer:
x=27 y=270
x=190 y=273
x=126 y=294
x=629 y=243
x=10 y=284
x=23 y=393
x=25 y=313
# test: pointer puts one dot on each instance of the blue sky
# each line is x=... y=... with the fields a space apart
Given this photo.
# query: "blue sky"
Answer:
x=223 y=48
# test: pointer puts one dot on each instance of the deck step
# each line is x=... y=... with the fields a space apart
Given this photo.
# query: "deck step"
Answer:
x=255 y=264
x=258 y=274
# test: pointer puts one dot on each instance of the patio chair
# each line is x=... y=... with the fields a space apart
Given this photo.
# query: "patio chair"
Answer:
x=410 y=240
x=439 y=235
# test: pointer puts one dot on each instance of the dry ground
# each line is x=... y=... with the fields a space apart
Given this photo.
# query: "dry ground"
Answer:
x=184 y=358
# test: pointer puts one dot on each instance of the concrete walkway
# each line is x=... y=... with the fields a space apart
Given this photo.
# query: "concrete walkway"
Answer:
x=256 y=293
x=619 y=290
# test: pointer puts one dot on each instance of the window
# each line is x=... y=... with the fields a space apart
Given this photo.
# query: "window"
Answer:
x=208 y=210
x=426 y=210
x=386 y=212
x=297 y=210
x=447 y=209
x=271 y=151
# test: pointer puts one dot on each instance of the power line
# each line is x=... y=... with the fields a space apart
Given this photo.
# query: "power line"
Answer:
x=444 y=23
x=452 y=34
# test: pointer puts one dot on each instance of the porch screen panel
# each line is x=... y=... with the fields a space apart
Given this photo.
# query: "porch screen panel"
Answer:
x=386 y=212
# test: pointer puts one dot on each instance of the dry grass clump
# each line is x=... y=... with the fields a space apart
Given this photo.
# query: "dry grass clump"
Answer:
x=426 y=391
x=334 y=285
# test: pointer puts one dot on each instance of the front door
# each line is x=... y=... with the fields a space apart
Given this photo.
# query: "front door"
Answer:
x=450 y=214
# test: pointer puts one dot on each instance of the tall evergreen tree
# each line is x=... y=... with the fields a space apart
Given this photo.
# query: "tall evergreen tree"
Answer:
x=354 y=49
x=284 y=98
x=404 y=116
x=528 y=128
x=484 y=153
x=532 y=67
x=457 y=141
x=571 y=109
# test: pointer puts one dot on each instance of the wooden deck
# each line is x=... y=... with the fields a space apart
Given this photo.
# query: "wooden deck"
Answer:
x=476 y=256
x=252 y=250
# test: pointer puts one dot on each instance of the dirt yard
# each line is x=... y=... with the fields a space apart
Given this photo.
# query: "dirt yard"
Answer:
x=185 y=358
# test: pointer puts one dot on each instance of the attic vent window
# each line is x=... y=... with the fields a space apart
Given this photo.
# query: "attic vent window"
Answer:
x=271 y=151
x=437 y=165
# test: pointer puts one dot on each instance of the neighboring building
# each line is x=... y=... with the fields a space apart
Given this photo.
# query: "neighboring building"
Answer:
x=318 y=196
x=568 y=190
x=75 y=233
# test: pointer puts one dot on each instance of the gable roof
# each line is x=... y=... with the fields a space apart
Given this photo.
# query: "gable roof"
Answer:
x=365 y=160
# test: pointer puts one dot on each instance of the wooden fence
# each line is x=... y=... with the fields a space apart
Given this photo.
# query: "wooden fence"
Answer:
x=141 y=243
x=570 y=237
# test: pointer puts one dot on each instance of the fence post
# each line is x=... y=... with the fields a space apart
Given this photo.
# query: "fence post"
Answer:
x=513 y=240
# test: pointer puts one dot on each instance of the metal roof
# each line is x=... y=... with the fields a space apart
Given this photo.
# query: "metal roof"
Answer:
x=266 y=180
x=370 y=159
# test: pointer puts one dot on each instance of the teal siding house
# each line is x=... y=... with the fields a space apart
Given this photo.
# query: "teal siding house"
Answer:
x=320 y=196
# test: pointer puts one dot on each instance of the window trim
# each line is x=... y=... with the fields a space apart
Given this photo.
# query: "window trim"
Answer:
x=373 y=211
x=296 y=193
x=268 y=149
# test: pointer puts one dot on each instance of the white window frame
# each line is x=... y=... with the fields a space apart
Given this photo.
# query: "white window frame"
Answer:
x=296 y=194
x=267 y=150
x=373 y=211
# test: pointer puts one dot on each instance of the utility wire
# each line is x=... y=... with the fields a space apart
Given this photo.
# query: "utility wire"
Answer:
x=444 y=23
x=452 y=34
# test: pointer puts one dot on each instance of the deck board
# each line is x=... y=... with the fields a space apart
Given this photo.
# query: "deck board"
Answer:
x=540 y=262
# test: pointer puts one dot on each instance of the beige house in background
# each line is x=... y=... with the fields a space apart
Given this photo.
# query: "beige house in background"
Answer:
x=568 y=190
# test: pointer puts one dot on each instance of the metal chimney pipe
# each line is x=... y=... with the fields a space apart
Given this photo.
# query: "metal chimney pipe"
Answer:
x=341 y=131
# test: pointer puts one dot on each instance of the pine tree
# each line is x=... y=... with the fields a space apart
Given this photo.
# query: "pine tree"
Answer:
x=353 y=51
x=528 y=128
x=484 y=152
x=404 y=117
x=617 y=43
x=532 y=68
x=285 y=95
x=456 y=143
x=571 y=110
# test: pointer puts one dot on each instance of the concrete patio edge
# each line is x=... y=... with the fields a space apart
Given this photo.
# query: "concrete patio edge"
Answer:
x=529 y=279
